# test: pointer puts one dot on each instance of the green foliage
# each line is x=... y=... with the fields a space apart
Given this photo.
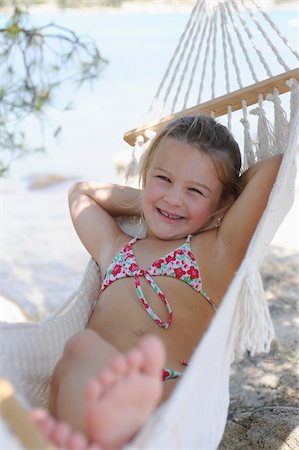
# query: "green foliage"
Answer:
x=35 y=62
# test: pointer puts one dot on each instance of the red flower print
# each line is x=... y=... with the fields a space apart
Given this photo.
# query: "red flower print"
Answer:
x=116 y=270
x=127 y=248
x=158 y=263
x=191 y=256
x=133 y=267
x=193 y=273
x=170 y=258
x=144 y=304
x=165 y=374
x=178 y=252
x=179 y=272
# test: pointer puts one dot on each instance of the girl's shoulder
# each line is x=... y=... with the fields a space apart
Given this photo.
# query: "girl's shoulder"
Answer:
x=207 y=245
x=212 y=251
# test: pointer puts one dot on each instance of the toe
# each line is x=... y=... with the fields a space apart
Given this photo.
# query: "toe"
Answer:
x=120 y=365
x=61 y=434
x=107 y=377
x=154 y=354
x=135 y=359
x=77 y=442
x=93 y=390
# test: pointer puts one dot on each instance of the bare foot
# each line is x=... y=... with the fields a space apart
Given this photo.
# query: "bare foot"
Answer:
x=123 y=396
x=60 y=433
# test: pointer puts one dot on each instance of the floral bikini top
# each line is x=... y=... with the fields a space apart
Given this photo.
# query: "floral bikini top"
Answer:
x=179 y=263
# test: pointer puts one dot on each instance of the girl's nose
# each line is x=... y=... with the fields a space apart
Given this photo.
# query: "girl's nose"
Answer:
x=174 y=196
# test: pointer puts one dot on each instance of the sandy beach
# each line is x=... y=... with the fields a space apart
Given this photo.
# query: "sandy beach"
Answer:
x=264 y=400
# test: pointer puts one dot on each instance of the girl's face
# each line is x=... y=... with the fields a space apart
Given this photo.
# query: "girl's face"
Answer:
x=181 y=191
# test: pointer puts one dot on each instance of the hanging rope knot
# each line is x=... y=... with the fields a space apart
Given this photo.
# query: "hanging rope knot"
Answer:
x=292 y=82
x=150 y=134
x=265 y=133
x=249 y=146
x=274 y=97
x=281 y=124
x=139 y=141
x=270 y=97
x=245 y=122
x=260 y=112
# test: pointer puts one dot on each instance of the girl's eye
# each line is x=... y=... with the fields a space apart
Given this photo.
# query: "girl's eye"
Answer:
x=163 y=177
x=197 y=191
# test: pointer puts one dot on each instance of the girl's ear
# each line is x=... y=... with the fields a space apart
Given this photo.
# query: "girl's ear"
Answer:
x=224 y=206
x=217 y=216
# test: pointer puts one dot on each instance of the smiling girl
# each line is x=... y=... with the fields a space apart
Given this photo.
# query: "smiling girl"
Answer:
x=200 y=216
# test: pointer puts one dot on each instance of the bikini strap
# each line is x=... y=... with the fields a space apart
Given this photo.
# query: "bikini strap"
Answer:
x=144 y=302
x=202 y=291
x=188 y=238
x=208 y=298
x=133 y=241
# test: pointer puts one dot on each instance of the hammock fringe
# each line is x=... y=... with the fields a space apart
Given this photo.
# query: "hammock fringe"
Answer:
x=195 y=415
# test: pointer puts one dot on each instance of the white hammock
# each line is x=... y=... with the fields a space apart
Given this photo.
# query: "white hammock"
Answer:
x=195 y=415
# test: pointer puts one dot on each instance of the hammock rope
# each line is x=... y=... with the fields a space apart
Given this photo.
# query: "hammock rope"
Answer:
x=200 y=43
x=205 y=62
x=225 y=55
x=196 y=62
x=242 y=45
x=196 y=7
x=195 y=415
x=196 y=34
x=281 y=125
x=224 y=24
x=279 y=59
x=213 y=82
x=249 y=155
x=274 y=27
x=252 y=40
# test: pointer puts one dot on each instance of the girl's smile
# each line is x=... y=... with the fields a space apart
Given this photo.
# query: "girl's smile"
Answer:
x=170 y=217
x=181 y=192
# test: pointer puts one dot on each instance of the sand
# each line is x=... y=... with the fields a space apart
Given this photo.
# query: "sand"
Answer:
x=263 y=410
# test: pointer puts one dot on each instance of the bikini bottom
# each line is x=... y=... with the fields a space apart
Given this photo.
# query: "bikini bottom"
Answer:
x=169 y=374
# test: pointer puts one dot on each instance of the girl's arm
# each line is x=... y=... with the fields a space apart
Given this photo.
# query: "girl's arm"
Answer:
x=241 y=220
x=92 y=208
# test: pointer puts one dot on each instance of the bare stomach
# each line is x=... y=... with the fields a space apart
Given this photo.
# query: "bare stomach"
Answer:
x=121 y=319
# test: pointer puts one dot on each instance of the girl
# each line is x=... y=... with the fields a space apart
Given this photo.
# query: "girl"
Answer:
x=200 y=216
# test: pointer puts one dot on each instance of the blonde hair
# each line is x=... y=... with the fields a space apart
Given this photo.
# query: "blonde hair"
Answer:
x=211 y=138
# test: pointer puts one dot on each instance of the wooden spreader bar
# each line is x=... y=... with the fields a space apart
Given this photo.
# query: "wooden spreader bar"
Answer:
x=219 y=105
x=18 y=421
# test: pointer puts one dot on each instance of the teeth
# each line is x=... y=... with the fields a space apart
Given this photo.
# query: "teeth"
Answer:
x=170 y=216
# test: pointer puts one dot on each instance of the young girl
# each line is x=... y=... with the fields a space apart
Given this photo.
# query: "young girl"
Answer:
x=200 y=216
